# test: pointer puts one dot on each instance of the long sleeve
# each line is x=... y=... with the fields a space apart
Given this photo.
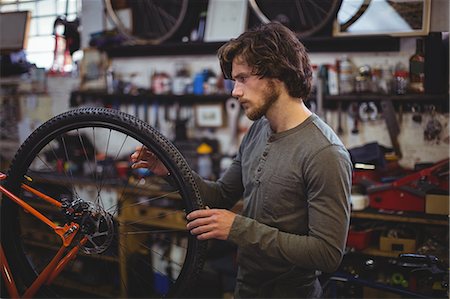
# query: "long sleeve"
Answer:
x=295 y=187
x=321 y=246
x=226 y=191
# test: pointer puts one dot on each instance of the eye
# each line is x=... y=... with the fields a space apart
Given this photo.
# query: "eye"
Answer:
x=241 y=79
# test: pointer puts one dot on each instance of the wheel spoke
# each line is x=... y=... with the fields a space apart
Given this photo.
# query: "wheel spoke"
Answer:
x=131 y=237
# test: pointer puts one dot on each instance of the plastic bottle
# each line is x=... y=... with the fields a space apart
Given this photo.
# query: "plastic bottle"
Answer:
x=204 y=162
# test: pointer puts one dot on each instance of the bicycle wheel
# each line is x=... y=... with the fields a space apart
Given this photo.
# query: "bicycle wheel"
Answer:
x=152 y=21
x=304 y=17
x=350 y=12
x=134 y=221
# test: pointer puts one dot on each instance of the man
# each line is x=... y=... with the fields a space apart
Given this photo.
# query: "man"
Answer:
x=292 y=172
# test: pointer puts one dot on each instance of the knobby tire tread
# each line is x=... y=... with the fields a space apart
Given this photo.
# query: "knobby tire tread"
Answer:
x=169 y=155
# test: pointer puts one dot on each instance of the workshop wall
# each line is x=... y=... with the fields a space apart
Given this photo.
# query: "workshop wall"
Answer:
x=414 y=147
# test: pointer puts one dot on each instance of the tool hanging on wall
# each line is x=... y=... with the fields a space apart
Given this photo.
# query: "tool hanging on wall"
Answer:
x=368 y=111
x=354 y=113
x=392 y=125
x=233 y=108
x=433 y=127
x=340 y=130
x=417 y=117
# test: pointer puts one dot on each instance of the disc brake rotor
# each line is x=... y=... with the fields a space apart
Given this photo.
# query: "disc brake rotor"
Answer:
x=98 y=227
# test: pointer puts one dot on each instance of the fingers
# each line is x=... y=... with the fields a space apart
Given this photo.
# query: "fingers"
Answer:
x=202 y=224
x=210 y=223
x=140 y=164
x=203 y=228
x=138 y=154
x=200 y=213
x=143 y=158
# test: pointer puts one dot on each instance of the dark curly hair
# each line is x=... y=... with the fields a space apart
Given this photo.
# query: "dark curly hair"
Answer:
x=273 y=51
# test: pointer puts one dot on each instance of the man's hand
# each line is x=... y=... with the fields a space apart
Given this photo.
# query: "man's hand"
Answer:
x=210 y=223
x=143 y=158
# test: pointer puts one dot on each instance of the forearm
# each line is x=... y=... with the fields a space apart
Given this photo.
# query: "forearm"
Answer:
x=223 y=193
x=308 y=252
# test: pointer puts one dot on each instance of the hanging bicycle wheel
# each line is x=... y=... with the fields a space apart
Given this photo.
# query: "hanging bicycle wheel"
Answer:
x=133 y=221
x=350 y=12
x=147 y=21
x=304 y=17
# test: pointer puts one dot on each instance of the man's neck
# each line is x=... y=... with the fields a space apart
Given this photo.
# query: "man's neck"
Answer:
x=287 y=114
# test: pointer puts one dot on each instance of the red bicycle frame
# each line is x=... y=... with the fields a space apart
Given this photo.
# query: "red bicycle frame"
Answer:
x=58 y=262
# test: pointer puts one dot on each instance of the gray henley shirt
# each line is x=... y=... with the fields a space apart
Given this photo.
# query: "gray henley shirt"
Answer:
x=295 y=187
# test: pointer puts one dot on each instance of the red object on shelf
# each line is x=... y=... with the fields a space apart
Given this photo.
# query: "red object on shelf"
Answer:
x=359 y=239
x=408 y=193
x=364 y=177
x=397 y=200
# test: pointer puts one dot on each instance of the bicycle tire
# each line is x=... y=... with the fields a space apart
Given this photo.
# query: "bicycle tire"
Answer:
x=154 y=21
x=356 y=11
x=304 y=17
x=123 y=259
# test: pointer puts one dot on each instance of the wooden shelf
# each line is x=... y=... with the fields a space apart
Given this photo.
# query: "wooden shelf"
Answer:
x=80 y=97
x=419 y=218
x=377 y=252
x=150 y=188
x=167 y=219
x=376 y=43
x=439 y=100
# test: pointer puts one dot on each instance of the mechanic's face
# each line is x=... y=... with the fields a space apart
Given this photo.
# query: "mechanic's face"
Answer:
x=256 y=95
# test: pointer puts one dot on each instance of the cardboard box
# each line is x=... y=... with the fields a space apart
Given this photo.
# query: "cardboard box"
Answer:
x=397 y=245
x=437 y=204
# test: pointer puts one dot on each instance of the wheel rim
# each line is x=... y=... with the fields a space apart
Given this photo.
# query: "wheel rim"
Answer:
x=137 y=243
x=154 y=20
x=304 y=17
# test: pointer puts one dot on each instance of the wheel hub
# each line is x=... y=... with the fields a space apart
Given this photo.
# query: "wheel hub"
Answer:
x=96 y=224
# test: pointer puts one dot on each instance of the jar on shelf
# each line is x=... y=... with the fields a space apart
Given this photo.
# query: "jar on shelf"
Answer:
x=401 y=79
x=386 y=79
x=346 y=75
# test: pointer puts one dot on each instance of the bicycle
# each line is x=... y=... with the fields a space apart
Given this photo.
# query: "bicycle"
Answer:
x=122 y=232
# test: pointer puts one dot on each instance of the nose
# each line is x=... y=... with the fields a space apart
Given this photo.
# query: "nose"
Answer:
x=237 y=90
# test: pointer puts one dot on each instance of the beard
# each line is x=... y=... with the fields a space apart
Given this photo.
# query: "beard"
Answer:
x=271 y=94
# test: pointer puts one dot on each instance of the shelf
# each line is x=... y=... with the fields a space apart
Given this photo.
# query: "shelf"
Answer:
x=167 y=49
x=366 y=97
x=42 y=177
x=381 y=43
x=419 y=218
x=153 y=187
x=79 y=97
x=377 y=252
x=166 y=219
x=440 y=101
